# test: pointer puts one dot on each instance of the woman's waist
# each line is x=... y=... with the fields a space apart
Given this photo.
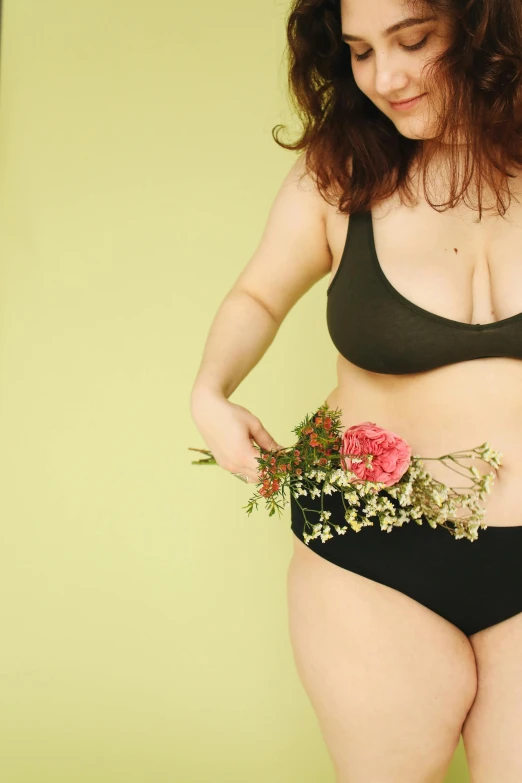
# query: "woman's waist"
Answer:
x=483 y=392
x=436 y=427
x=434 y=431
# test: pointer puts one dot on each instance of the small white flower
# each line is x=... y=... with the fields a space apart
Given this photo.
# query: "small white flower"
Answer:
x=326 y=533
x=488 y=481
x=350 y=515
x=328 y=489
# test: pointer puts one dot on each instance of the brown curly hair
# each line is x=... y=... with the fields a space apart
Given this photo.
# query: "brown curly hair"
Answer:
x=355 y=153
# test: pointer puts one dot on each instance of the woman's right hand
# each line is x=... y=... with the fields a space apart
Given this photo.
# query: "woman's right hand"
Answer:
x=228 y=430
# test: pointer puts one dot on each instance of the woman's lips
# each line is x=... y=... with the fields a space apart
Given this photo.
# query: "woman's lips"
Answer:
x=408 y=104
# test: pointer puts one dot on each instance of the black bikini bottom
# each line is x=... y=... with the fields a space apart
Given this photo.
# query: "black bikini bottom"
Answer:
x=473 y=584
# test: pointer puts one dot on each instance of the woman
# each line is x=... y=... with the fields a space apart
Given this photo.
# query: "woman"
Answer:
x=402 y=641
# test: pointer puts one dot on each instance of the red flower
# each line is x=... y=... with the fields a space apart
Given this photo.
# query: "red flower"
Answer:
x=391 y=454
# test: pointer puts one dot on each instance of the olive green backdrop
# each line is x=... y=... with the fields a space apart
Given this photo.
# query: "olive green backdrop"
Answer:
x=143 y=613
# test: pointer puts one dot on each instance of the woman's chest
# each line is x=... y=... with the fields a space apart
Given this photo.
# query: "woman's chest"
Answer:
x=445 y=263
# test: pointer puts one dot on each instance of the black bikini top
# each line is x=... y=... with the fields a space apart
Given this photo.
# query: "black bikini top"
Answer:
x=375 y=327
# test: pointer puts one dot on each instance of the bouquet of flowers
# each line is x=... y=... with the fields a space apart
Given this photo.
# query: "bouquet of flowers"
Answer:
x=377 y=477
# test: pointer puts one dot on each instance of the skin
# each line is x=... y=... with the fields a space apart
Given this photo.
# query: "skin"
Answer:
x=392 y=683
x=389 y=72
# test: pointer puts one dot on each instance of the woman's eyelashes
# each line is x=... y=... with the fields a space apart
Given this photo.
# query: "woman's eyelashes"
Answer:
x=412 y=48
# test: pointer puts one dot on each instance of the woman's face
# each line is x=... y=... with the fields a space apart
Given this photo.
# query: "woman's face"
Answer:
x=388 y=66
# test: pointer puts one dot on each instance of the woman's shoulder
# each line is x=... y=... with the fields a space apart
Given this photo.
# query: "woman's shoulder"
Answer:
x=303 y=179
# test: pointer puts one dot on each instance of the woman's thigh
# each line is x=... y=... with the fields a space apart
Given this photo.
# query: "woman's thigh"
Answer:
x=492 y=731
x=391 y=681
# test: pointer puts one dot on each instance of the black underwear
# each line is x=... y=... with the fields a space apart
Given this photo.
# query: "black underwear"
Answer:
x=473 y=584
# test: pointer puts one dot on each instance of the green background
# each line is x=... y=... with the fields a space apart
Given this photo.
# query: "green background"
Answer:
x=143 y=614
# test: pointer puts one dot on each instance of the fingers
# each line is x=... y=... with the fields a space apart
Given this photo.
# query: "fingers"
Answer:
x=250 y=469
x=263 y=437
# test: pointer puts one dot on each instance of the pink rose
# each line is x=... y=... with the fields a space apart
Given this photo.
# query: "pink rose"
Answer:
x=391 y=454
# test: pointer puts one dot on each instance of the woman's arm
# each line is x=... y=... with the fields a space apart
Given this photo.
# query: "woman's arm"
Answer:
x=292 y=255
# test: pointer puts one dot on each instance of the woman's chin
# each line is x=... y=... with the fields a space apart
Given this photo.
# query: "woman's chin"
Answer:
x=415 y=130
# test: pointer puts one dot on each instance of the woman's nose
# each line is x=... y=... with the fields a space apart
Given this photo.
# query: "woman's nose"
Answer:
x=390 y=77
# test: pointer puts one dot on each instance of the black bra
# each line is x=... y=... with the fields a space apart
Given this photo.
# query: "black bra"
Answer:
x=375 y=327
